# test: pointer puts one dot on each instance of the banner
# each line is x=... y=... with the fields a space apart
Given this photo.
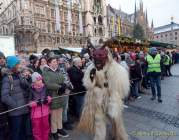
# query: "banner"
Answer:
x=69 y=16
x=57 y=25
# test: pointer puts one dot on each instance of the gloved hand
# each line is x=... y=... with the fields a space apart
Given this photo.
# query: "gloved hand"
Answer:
x=92 y=74
x=49 y=99
x=39 y=102
x=33 y=104
x=45 y=101
x=70 y=87
x=62 y=88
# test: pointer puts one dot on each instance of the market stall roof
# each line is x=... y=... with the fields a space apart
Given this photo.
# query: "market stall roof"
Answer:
x=61 y=50
x=129 y=41
x=163 y=45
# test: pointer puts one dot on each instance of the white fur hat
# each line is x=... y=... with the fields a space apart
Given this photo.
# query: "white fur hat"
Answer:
x=36 y=76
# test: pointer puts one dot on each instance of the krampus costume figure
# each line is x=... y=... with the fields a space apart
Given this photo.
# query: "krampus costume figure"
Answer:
x=107 y=84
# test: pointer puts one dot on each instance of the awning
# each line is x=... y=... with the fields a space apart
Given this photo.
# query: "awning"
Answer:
x=77 y=50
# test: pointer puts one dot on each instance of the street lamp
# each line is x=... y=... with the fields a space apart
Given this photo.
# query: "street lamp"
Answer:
x=172 y=37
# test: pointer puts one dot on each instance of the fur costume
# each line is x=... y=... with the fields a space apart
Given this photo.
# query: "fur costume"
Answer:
x=103 y=101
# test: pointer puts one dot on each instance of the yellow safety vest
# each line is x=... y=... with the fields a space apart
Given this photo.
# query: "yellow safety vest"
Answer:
x=167 y=61
x=153 y=63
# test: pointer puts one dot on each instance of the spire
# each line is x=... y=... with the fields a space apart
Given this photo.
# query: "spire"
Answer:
x=172 y=18
x=146 y=17
x=135 y=14
x=119 y=7
x=141 y=5
x=152 y=24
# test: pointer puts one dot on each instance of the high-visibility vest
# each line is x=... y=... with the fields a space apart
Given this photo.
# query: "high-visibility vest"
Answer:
x=167 y=61
x=153 y=63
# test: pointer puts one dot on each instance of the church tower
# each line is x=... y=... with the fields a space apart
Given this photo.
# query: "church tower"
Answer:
x=95 y=14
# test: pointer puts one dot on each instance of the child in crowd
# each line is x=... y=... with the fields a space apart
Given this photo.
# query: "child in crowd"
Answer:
x=39 y=103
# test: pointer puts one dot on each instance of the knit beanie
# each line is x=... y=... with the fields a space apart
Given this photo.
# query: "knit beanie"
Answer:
x=36 y=77
x=2 y=55
x=12 y=61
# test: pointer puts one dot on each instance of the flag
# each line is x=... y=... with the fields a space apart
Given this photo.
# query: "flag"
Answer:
x=80 y=19
x=57 y=25
x=113 y=26
x=119 y=25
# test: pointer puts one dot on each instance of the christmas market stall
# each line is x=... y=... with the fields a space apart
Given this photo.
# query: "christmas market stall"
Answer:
x=126 y=44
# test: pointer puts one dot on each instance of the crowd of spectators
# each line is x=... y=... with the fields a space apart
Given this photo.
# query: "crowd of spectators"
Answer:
x=37 y=82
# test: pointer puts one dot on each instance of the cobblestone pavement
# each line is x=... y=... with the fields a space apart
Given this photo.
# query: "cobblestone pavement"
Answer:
x=150 y=120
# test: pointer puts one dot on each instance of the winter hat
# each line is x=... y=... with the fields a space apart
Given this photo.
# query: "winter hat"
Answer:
x=153 y=50
x=133 y=56
x=141 y=53
x=36 y=77
x=2 y=55
x=22 y=69
x=12 y=61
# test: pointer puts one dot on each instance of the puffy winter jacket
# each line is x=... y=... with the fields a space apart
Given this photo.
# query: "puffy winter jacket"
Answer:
x=13 y=97
x=38 y=111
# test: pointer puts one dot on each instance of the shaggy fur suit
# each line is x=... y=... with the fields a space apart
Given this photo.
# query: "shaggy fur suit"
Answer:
x=104 y=101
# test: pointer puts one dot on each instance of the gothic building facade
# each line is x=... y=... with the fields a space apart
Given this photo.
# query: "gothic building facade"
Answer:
x=141 y=18
x=95 y=13
x=39 y=24
x=119 y=19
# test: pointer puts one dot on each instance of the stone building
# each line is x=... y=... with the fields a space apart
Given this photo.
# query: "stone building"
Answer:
x=119 y=22
x=95 y=24
x=167 y=33
x=39 y=24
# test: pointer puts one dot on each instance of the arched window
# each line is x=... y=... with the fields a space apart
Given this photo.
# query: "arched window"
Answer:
x=100 y=20
x=100 y=31
x=95 y=32
x=94 y=18
x=6 y=31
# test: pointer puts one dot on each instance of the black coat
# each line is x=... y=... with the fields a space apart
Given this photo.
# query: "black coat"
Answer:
x=76 y=76
x=135 y=72
x=3 y=118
